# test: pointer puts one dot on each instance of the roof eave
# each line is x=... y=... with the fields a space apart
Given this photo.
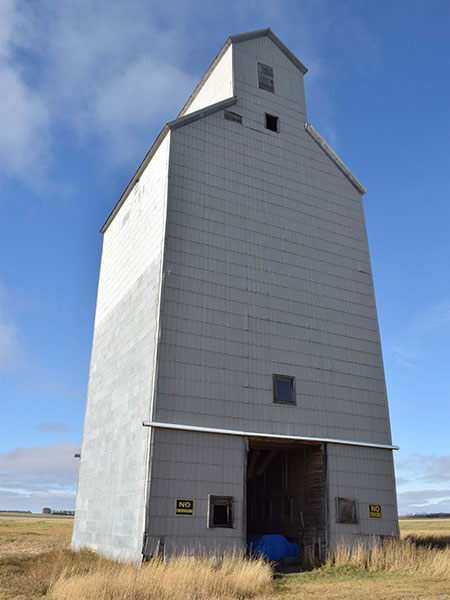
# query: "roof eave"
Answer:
x=243 y=37
x=205 y=77
x=135 y=177
x=175 y=124
x=335 y=158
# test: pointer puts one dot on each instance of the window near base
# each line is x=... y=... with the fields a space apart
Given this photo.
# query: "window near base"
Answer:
x=271 y=122
x=265 y=77
x=283 y=389
x=346 y=511
x=220 y=511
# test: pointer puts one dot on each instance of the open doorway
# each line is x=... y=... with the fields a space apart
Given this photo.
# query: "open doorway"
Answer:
x=286 y=493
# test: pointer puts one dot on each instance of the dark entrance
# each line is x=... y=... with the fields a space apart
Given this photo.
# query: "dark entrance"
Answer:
x=286 y=493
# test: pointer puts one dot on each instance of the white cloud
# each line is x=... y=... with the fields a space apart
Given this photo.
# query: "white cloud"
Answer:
x=426 y=468
x=24 y=118
x=424 y=501
x=423 y=483
x=105 y=74
x=145 y=90
x=31 y=478
x=110 y=76
x=41 y=459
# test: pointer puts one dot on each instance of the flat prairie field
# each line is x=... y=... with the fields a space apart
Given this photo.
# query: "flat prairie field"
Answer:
x=36 y=563
x=424 y=527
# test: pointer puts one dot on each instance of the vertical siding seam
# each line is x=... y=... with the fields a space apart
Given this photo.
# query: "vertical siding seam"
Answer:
x=150 y=436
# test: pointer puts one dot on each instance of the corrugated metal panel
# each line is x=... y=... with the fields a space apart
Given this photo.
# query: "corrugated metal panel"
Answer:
x=366 y=475
x=190 y=465
x=267 y=272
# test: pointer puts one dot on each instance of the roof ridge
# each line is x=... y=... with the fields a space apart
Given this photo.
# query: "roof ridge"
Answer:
x=237 y=39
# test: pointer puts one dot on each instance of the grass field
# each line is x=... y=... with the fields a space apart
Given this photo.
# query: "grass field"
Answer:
x=35 y=562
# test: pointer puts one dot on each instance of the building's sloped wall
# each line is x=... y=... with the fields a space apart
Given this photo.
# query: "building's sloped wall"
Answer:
x=218 y=86
x=367 y=476
x=190 y=466
x=267 y=271
x=110 y=505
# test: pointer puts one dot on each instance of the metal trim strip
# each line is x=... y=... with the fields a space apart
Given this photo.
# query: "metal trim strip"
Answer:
x=276 y=436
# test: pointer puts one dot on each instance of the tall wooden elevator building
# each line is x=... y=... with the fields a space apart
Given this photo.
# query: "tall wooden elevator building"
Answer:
x=236 y=383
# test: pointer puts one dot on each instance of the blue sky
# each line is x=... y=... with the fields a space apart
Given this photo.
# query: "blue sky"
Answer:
x=86 y=87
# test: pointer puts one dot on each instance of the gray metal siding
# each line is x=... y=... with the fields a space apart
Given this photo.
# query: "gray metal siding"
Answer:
x=267 y=271
x=191 y=465
x=109 y=515
x=366 y=475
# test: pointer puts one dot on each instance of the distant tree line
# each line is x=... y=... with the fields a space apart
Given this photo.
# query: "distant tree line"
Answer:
x=48 y=511
x=15 y=511
x=440 y=515
x=63 y=512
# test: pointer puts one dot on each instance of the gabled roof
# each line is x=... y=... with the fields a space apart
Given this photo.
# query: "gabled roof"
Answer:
x=237 y=39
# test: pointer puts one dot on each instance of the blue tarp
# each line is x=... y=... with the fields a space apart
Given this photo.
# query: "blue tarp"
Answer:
x=273 y=547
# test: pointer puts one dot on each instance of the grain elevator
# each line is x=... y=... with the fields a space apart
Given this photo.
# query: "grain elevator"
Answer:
x=236 y=383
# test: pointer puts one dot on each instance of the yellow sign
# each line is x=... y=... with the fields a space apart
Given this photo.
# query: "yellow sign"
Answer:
x=375 y=511
x=184 y=507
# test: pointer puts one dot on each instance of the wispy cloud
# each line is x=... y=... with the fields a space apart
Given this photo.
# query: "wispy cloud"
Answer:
x=425 y=338
x=11 y=355
x=107 y=75
x=426 y=468
x=52 y=426
x=33 y=477
x=424 y=501
x=110 y=77
x=423 y=483
x=24 y=116
x=434 y=317
x=41 y=459
x=406 y=358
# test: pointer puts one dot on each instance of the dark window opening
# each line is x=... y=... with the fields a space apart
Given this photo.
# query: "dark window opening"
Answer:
x=265 y=77
x=220 y=511
x=346 y=511
x=271 y=122
x=283 y=389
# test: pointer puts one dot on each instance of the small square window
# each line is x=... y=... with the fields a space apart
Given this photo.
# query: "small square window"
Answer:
x=346 y=511
x=271 y=122
x=283 y=389
x=220 y=511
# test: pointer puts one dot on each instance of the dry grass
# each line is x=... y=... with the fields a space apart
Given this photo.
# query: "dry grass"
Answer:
x=36 y=562
x=183 y=577
x=30 y=570
x=33 y=536
x=393 y=556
